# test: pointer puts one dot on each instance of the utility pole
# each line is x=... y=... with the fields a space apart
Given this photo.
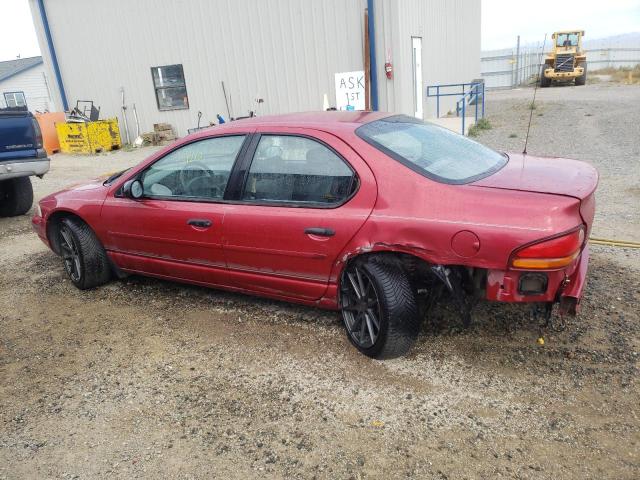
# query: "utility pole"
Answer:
x=518 y=62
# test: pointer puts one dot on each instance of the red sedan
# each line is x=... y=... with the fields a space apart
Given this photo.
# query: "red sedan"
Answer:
x=366 y=213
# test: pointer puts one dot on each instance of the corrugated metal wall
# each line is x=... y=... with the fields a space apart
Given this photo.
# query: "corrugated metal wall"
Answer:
x=285 y=51
x=450 y=32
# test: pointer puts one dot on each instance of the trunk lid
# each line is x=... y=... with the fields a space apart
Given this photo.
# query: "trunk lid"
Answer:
x=557 y=176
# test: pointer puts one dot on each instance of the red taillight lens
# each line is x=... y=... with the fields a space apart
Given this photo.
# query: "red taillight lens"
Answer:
x=550 y=254
x=37 y=133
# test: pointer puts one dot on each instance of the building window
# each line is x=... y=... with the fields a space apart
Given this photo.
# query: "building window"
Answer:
x=171 y=91
x=15 y=99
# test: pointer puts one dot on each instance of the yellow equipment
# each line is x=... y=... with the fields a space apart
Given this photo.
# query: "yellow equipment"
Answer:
x=567 y=61
x=89 y=137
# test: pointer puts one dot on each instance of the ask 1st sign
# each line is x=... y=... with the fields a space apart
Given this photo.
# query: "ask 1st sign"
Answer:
x=350 y=90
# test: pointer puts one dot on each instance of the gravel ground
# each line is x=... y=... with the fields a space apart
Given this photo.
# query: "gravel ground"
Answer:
x=144 y=378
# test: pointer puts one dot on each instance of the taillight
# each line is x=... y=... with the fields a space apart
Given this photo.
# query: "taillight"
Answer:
x=37 y=133
x=550 y=254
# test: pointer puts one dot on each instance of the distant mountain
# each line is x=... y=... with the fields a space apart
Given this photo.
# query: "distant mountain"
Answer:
x=624 y=40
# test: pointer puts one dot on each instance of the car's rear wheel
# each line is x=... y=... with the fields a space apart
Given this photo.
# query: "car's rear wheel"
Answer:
x=84 y=258
x=16 y=196
x=379 y=308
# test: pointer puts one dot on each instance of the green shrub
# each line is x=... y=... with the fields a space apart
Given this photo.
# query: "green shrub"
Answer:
x=482 y=124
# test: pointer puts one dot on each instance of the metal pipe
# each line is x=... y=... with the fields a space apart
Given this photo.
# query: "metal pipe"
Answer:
x=372 y=56
x=135 y=115
x=124 y=118
x=52 y=52
x=477 y=88
x=224 y=91
x=464 y=112
x=518 y=80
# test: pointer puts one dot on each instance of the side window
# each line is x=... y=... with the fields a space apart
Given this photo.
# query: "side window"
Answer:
x=297 y=170
x=198 y=170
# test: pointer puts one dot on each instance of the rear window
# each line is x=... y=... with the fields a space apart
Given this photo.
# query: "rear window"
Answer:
x=432 y=151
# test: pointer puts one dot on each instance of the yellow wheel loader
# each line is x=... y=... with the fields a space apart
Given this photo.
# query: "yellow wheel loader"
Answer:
x=567 y=61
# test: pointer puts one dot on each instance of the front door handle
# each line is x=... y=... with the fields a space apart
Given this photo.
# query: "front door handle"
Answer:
x=199 y=222
x=321 y=232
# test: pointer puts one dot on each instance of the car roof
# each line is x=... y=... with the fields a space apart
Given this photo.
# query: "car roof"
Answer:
x=331 y=120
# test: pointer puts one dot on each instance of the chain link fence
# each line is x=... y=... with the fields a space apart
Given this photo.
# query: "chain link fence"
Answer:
x=513 y=67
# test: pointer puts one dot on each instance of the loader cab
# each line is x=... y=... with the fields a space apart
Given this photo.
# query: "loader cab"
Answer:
x=568 y=42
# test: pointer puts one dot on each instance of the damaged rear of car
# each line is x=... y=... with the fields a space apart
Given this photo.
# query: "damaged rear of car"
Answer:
x=454 y=214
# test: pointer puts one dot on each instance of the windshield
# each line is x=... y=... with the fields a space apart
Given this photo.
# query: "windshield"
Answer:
x=115 y=176
x=567 y=40
x=432 y=151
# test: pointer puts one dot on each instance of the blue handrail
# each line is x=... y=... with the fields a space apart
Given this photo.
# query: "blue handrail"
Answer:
x=468 y=92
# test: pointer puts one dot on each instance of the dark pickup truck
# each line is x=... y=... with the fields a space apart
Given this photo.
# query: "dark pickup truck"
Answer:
x=21 y=156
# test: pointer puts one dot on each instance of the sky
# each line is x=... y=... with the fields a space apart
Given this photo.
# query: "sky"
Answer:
x=502 y=21
x=17 y=35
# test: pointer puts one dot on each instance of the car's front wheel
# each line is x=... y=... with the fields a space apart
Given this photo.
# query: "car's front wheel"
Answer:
x=85 y=260
x=379 y=308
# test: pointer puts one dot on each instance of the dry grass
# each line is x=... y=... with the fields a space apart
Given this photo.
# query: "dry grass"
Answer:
x=620 y=75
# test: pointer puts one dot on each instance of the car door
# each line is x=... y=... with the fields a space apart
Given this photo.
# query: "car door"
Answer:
x=304 y=195
x=175 y=229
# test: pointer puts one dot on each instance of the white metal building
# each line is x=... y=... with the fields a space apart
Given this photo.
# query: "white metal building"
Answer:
x=23 y=81
x=170 y=57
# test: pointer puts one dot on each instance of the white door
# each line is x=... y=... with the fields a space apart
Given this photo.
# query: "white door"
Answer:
x=417 y=75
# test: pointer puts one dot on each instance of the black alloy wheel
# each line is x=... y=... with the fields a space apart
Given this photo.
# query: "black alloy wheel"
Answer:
x=379 y=308
x=70 y=254
x=360 y=307
x=84 y=257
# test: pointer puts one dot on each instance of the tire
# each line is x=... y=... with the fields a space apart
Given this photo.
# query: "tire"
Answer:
x=388 y=297
x=582 y=79
x=544 y=81
x=16 y=196
x=83 y=256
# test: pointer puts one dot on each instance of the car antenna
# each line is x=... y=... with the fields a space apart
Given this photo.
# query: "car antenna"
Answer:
x=535 y=90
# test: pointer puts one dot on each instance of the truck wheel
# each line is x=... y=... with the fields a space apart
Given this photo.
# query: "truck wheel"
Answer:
x=582 y=79
x=379 y=308
x=544 y=81
x=16 y=196
x=85 y=260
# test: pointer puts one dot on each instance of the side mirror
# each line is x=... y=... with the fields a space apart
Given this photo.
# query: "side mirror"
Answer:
x=132 y=189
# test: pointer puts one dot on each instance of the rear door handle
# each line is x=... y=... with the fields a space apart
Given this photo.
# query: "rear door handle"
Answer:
x=321 y=232
x=199 y=222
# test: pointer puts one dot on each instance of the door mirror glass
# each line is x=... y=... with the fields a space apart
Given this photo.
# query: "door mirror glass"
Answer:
x=133 y=189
